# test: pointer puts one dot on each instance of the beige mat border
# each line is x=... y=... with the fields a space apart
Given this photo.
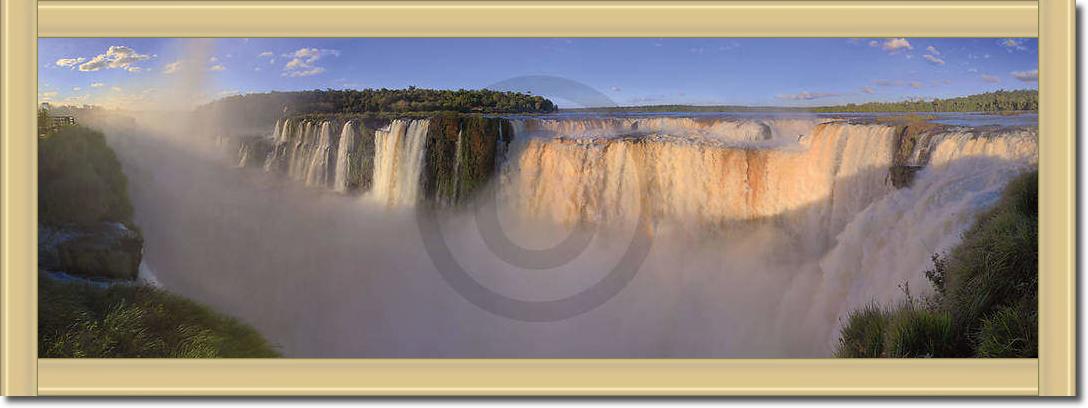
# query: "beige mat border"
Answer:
x=21 y=373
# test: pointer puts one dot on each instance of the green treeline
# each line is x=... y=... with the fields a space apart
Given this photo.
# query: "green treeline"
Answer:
x=997 y=101
x=257 y=110
x=382 y=100
x=985 y=300
x=687 y=108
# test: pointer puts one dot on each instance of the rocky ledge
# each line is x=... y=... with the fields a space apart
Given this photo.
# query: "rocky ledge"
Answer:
x=107 y=250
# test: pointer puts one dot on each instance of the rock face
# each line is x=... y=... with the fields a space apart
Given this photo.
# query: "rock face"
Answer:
x=108 y=250
x=462 y=155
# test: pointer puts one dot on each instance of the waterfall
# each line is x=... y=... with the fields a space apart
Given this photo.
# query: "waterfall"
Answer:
x=398 y=161
x=724 y=131
x=767 y=231
x=275 y=159
x=243 y=155
x=317 y=172
x=572 y=181
x=826 y=177
x=344 y=152
x=301 y=148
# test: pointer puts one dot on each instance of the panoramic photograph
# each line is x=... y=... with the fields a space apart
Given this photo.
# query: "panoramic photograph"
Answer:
x=537 y=197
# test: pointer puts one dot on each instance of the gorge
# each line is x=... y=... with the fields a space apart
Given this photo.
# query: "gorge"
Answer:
x=767 y=228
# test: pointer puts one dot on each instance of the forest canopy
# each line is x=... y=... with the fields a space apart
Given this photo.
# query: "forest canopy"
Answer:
x=260 y=109
x=411 y=99
x=997 y=101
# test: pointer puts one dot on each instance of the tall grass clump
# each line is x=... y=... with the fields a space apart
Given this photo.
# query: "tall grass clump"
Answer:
x=985 y=300
x=863 y=334
x=82 y=320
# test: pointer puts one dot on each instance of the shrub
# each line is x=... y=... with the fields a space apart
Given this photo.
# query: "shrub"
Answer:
x=863 y=334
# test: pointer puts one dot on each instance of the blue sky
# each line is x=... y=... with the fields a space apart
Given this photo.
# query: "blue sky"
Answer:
x=145 y=73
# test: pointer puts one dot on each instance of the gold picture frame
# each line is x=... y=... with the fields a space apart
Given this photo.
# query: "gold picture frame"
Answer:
x=23 y=374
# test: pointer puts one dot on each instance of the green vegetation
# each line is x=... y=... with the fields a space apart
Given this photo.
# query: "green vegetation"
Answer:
x=997 y=101
x=686 y=108
x=259 y=109
x=985 y=301
x=80 y=320
x=80 y=180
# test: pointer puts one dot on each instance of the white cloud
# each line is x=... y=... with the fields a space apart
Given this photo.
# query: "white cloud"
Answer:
x=1026 y=76
x=305 y=73
x=97 y=84
x=217 y=68
x=972 y=70
x=990 y=78
x=171 y=67
x=303 y=60
x=932 y=59
x=213 y=59
x=729 y=46
x=265 y=54
x=896 y=44
x=1012 y=44
x=47 y=96
x=116 y=57
x=76 y=88
x=69 y=62
x=916 y=85
x=874 y=43
x=116 y=89
x=806 y=96
x=868 y=89
x=616 y=88
x=933 y=50
x=888 y=82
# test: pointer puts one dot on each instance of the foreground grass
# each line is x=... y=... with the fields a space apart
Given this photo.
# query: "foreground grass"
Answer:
x=78 y=319
x=986 y=293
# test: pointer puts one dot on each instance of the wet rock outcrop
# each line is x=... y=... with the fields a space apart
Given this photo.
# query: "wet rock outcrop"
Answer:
x=103 y=251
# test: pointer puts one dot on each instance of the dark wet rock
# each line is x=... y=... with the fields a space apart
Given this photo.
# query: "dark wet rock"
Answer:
x=462 y=155
x=107 y=250
x=902 y=176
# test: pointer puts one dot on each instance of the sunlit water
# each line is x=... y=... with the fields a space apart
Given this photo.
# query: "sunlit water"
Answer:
x=766 y=233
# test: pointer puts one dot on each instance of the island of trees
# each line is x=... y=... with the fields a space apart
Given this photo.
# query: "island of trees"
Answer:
x=259 y=109
x=384 y=100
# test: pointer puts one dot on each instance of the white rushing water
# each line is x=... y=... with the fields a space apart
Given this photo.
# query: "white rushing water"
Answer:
x=398 y=162
x=346 y=147
x=766 y=233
